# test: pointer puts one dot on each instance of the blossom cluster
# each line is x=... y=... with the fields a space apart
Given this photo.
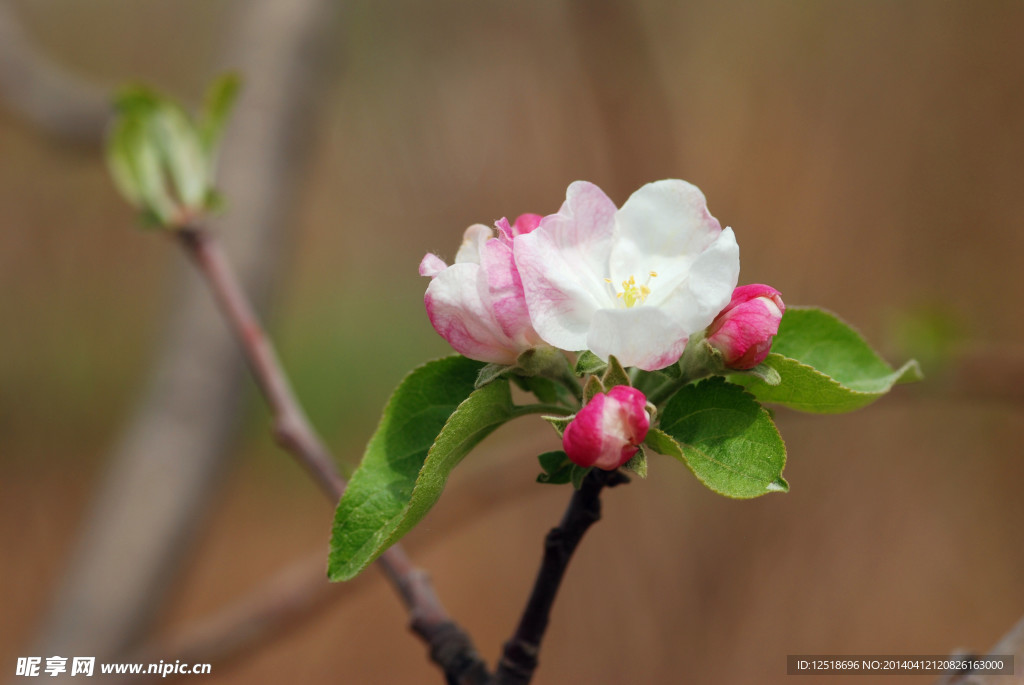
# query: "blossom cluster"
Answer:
x=636 y=282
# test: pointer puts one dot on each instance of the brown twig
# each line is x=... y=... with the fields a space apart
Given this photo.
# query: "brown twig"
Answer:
x=519 y=657
x=172 y=454
x=1011 y=645
x=450 y=647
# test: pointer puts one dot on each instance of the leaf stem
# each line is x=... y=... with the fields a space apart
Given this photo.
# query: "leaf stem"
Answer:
x=519 y=656
x=451 y=647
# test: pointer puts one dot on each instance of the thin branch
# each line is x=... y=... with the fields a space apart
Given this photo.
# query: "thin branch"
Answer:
x=519 y=657
x=1012 y=644
x=450 y=647
x=173 y=453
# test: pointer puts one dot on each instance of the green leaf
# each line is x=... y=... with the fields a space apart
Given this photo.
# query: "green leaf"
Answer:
x=135 y=162
x=725 y=437
x=174 y=135
x=220 y=101
x=589 y=363
x=160 y=158
x=825 y=366
x=557 y=468
x=434 y=418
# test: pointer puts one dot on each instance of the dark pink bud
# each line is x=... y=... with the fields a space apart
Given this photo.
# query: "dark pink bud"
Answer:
x=608 y=431
x=743 y=331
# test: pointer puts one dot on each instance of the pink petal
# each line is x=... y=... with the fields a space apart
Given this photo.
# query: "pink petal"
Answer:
x=432 y=265
x=464 y=319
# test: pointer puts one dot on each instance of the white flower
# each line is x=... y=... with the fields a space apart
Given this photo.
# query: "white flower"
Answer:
x=634 y=282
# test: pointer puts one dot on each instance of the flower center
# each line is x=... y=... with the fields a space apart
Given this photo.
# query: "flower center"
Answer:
x=633 y=294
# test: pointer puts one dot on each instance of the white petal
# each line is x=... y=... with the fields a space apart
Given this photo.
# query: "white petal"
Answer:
x=708 y=287
x=472 y=243
x=563 y=264
x=641 y=336
x=662 y=228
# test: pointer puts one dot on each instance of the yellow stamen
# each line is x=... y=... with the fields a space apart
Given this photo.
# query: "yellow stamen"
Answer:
x=633 y=294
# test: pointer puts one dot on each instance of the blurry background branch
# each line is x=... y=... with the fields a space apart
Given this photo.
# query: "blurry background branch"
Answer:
x=57 y=100
x=166 y=466
x=1011 y=644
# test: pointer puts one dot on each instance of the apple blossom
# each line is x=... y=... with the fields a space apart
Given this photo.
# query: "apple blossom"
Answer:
x=477 y=303
x=743 y=331
x=634 y=282
x=607 y=432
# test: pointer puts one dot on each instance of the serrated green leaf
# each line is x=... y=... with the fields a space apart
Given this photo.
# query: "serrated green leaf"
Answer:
x=589 y=363
x=825 y=366
x=557 y=468
x=434 y=418
x=725 y=438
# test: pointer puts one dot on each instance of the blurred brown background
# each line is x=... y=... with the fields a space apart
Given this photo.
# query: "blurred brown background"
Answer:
x=868 y=156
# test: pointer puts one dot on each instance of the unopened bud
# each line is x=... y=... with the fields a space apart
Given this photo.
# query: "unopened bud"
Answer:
x=607 y=432
x=743 y=331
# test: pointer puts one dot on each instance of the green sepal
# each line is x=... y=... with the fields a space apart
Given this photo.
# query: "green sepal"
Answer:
x=592 y=387
x=559 y=423
x=672 y=371
x=578 y=474
x=589 y=363
x=766 y=373
x=724 y=437
x=557 y=468
x=214 y=203
x=637 y=463
x=492 y=372
x=614 y=374
x=433 y=419
x=546 y=390
x=825 y=366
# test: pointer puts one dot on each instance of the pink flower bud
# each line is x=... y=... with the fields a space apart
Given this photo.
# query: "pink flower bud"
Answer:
x=743 y=331
x=608 y=431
